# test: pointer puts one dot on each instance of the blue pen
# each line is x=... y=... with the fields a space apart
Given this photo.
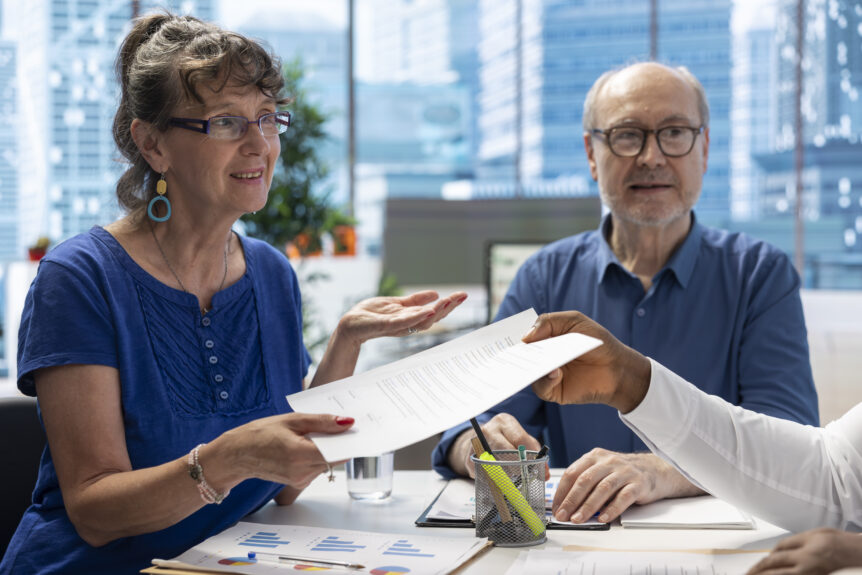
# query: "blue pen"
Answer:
x=522 y=456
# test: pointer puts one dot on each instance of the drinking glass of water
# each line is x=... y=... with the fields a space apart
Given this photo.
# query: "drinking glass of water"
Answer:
x=370 y=478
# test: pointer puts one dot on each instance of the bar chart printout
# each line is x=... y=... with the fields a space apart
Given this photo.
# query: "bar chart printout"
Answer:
x=253 y=549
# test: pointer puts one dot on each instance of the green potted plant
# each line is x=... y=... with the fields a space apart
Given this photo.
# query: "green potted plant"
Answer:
x=39 y=248
x=297 y=213
x=342 y=228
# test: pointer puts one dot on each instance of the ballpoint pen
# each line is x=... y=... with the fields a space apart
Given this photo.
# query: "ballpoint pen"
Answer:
x=542 y=452
x=522 y=456
x=281 y=558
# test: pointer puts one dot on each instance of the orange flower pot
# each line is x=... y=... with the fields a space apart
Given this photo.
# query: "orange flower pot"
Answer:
x=345 y=240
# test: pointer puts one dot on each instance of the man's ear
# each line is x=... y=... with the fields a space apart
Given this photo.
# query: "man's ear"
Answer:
x=149 y=141
x=591 y=159
x=705 y=148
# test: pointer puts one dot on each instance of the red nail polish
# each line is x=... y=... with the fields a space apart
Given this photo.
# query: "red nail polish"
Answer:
x=462 y=298
x=344 y=420
x=430 y=314
x=445 y=305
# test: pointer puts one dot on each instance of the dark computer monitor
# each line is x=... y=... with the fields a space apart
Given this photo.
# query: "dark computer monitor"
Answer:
x=439 y=242
x=503 y=259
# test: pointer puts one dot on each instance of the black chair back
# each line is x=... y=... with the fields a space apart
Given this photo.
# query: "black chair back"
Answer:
x=21 y=442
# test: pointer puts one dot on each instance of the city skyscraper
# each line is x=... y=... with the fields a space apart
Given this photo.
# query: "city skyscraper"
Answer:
x=753 y=115
x=68 y=95
x=320 y=47
x=564 y=48
x=10 y=247
x=831 y=134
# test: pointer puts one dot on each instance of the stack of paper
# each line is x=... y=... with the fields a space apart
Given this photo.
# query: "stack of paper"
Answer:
x=625 y=562
x=705 y=512
x=254 y=549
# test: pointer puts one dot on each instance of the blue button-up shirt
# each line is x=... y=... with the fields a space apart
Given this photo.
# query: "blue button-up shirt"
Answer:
x=724 y=313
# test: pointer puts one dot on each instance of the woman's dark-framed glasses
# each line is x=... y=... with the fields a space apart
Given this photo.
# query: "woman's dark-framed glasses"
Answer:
x=628 y=142
x=235 y=127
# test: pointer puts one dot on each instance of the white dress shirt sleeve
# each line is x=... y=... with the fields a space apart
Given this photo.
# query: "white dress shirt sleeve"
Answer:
x=794 y=476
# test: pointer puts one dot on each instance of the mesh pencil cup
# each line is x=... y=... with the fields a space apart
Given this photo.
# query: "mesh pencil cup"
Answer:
x=510 y=499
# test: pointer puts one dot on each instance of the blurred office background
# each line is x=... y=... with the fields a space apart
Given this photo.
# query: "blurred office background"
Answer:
x=466 y=137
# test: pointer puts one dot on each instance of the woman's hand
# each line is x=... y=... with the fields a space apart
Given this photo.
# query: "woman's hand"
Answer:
x=814 y=552
x=396 y=316
x=277 y=448
x=613 y=373
x=379 y=317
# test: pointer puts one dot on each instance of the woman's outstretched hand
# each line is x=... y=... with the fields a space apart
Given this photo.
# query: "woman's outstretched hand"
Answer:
x=396 y=316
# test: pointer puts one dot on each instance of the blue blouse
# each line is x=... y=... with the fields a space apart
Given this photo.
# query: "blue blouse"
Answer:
x=185 y=379
x=724 y=313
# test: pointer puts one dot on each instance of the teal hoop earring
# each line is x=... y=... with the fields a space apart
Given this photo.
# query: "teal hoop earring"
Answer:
x=161 y=190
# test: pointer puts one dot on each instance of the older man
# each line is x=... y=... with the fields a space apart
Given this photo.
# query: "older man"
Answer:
x=720 y=309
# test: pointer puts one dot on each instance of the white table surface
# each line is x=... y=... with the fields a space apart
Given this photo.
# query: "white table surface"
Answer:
x=326 y=504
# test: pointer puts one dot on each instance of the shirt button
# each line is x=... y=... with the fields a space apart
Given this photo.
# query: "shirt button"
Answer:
x=223 y=394
x=209 y=343
x=219 y=378
x=641 y=312
x=205 y=321
x=213 y=359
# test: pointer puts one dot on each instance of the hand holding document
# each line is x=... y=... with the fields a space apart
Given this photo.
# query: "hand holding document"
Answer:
x=411 y=399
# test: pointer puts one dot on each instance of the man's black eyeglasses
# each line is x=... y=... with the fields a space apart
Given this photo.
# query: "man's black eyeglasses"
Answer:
x=628 y=142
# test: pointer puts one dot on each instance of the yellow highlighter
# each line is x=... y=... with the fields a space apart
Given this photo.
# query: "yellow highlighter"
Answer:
x=515 y=497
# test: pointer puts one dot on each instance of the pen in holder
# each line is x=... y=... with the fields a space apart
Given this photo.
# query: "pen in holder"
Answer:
x=525 y=504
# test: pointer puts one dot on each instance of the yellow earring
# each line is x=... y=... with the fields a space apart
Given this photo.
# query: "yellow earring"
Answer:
x=162 y=185
x=160 y=197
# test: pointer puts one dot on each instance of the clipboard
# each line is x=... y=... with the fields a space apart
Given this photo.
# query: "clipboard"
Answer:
x=424 y=521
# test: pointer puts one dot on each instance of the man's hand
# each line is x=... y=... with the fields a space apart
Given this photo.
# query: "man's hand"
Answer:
x=613 y=373
x=814 y=552
x=502 y=432
x=609 y=483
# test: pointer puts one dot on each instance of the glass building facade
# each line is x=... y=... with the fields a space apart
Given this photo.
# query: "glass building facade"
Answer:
x=10 y=247
x=565 y=46
x=72 y=163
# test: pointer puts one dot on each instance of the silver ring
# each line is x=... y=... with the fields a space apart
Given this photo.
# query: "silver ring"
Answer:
x=412 y=330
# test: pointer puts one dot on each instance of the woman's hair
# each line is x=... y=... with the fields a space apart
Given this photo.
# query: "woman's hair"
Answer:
x=164 y=60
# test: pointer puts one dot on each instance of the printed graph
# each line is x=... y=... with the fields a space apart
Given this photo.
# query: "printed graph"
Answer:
x=303 y=567
x=405 y=548
x=389 y=570
x=266 y=539
x=336 y=545
x=237 y=561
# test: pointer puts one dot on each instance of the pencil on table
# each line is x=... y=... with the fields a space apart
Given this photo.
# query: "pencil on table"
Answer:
x=499 y=501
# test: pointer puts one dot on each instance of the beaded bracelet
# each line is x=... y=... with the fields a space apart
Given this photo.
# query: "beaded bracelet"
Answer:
x=208 y=494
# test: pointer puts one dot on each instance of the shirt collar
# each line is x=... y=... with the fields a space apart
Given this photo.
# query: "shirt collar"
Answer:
x=681 y=263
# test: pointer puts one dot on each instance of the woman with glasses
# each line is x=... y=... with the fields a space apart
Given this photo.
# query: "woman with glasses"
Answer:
x=162 y=346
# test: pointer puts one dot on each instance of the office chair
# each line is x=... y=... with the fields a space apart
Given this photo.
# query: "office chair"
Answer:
x=21 y=444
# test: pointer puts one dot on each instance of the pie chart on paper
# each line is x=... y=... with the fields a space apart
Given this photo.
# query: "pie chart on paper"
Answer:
x=237 y=561
x=390 y=570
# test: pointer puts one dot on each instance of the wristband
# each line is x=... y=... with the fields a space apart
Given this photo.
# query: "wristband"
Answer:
x=196 y=472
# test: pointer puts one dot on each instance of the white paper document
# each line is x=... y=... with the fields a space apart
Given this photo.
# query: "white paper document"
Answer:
x=277 y=548
x=411 y=399
x=701 y=562
x=703 y=512
x=456 y=501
